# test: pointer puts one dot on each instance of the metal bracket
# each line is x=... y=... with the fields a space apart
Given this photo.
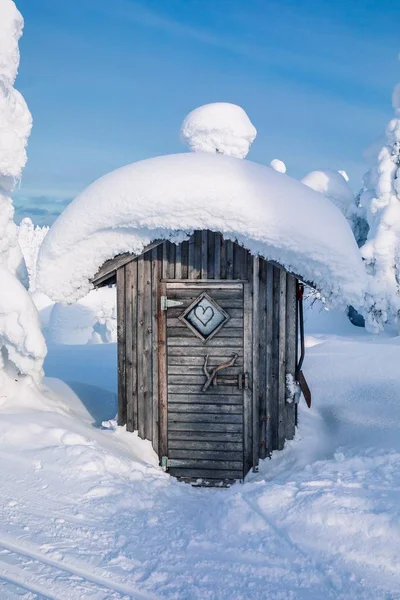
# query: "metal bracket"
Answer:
x=167 y=303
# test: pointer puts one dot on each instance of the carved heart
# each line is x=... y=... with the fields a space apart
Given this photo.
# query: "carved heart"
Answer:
x=204 y=315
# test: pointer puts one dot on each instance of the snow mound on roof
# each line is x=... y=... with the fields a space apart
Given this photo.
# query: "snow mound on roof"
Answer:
x=219 y=127
x=278 y=165
x=333 y=185
x=168 y=197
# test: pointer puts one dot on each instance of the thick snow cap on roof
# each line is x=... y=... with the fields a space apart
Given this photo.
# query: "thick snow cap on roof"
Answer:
x=219 y=127
x=168 y=197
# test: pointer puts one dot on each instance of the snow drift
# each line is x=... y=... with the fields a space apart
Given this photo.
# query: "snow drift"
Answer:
x=168 y=197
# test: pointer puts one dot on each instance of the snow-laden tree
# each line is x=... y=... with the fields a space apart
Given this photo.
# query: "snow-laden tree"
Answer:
x=30 y=238
x=22 y=347
x=381 y=251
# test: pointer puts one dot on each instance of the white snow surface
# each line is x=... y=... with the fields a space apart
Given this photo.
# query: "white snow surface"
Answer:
x=333 y=185
x=219 y=127
x=168 y=197
x=86 y=513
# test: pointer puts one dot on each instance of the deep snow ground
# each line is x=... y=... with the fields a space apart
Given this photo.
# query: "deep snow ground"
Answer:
x=86 y=513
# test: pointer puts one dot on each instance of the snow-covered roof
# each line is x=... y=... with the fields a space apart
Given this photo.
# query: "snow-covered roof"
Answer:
x=168 y=197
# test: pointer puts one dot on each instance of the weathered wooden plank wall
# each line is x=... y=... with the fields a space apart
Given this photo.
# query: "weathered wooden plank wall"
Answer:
x=270 y=298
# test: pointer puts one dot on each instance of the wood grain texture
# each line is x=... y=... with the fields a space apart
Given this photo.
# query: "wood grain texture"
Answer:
x=156 y=258
x=162 y=375
x=121 y=346
x=290 y=351
x=262 y=367
x=282 y=412
x=269 y=397
x=248 y=368
x=256 y=361
x=130 y=345
x=160 y=361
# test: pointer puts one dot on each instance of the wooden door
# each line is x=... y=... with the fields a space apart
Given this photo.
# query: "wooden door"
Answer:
x=205 y=424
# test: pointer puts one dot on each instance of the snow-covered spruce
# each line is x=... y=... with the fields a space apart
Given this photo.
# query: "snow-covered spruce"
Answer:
x=30 y=238
x=168 y=197
x=22 y=347
x=381 y=252
x=220 y=127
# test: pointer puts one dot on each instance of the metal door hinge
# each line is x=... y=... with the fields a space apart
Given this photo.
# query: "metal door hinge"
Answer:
x=168 y=303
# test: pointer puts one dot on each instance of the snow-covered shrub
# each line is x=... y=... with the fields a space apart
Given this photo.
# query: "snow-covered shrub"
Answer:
x=219 y=127
x=381 y=252
x=22 y=347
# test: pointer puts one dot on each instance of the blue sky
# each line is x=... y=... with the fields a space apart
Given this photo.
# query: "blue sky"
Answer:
x=109 y=82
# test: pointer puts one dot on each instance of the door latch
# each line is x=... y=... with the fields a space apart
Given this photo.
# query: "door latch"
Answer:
x=211 y=375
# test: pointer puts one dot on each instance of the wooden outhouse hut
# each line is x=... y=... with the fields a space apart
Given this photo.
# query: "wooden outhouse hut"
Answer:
x=207 y=253
x=207 y=344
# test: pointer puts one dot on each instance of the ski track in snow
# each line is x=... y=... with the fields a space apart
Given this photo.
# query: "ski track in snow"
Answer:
x=84 y=517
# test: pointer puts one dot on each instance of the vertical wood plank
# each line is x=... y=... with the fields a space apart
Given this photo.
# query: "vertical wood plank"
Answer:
x=262 y=392
x=217 y=255
x=275 y=360
x=211 y=255
x=147 y=349
x=140 y=346
x=164 y=267
x=130 y=348
x=155 y=276
x=282 y=360
x=121 y=346
x=269 y=292
x=224 y=267
x=204 y=255
x=185 y=260
x=162 y=374
x=178 y=262
x=255 y=362
x=191 y=266
x=290 y=350
x=229 y=259
x=197 y=254
x=171 y=255
x=248 y=368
